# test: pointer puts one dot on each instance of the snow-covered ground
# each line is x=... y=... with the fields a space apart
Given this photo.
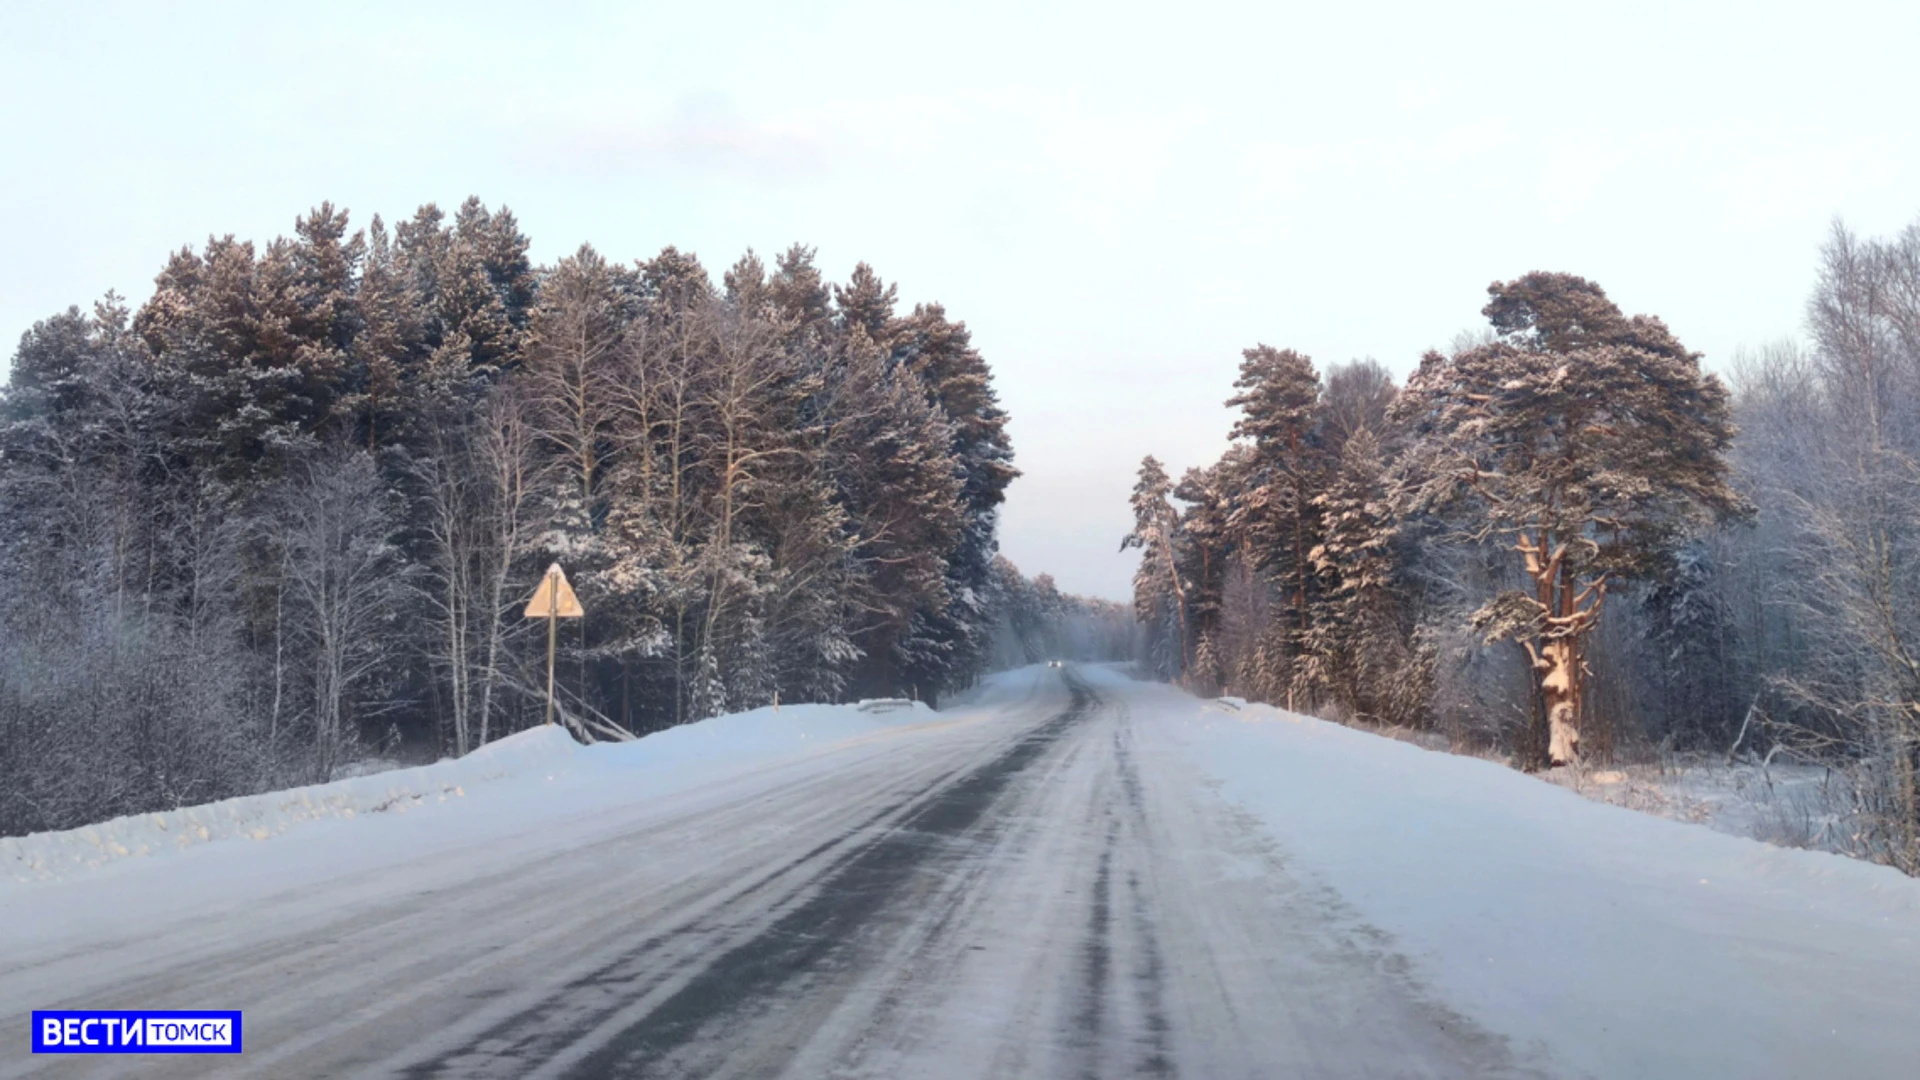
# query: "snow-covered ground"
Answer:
x=1620 y=944
x=1785 y=803
x=309 y=854
x=1068 y=873
x=506 y=776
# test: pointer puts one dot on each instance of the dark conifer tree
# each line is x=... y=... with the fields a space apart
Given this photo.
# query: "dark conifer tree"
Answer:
x=1278 y=402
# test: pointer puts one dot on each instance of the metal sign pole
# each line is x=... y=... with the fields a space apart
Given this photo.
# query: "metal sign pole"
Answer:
x=553 y=635
x=560 y=604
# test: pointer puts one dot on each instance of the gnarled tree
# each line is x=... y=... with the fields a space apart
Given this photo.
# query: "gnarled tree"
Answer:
x=1590 y=442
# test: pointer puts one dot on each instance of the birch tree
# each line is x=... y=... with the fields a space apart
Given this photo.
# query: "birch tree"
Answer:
x=344 y=579
x=1839 y=475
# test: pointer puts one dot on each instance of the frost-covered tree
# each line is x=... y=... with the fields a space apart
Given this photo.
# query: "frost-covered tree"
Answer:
x=1590 y=442
x=1207 y=555
x=1159 y=594
x=344 y=581
x=1360 y=648
x=1832 y=452
x=123 y=669
x=338 y=462
x=896 y=478
x=386 y=354
x=956 y=379
x=476 y=286
x=1278 y=399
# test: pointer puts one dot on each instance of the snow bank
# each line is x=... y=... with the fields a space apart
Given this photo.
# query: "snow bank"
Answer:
x=1621 y=945
x=883 y=704
x=684 y=755
x=1790 y=804
x=748 y=737
x=258 y=817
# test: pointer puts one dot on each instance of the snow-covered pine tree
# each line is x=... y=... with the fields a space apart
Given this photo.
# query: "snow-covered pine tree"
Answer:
x=1278 y=399
x=799 y=295
x=708 y=692
x=941 y=354
x=385 y=354
x=1590 y=441
x=1207 y=553
x=892 y=454
x=224 y=352
x=865 y=303
x=1360 y=649
x=485 y=288
x=1159 y=594
x=1206 y=675
x=474 y=288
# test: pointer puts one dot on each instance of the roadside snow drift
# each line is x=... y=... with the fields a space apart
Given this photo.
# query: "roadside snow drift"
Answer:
x=1619 y=944
x=668 y=760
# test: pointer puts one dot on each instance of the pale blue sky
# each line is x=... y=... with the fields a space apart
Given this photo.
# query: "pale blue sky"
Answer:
x=1116 y=199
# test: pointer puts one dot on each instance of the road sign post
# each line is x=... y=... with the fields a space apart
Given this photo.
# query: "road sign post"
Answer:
x=553 y=601
x=553 y=639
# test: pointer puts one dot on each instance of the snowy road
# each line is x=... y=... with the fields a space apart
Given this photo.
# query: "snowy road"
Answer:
x=1044 y=888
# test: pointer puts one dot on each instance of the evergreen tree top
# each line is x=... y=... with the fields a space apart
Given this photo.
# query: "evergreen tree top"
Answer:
x=1279 y=389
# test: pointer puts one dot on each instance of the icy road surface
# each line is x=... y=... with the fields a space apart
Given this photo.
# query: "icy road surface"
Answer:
x=1077 y=876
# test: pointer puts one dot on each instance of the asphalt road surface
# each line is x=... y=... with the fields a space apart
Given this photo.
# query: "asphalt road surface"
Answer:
x=1039 y=891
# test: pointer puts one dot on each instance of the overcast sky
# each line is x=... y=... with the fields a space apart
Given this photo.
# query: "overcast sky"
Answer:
x=1116 y=199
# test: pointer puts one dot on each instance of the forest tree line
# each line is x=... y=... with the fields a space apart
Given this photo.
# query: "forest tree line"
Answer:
x=1038 y=622
x=1564 y=541
x=288 y=510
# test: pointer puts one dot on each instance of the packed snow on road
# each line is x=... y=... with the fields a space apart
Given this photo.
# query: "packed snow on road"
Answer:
x=1071 y=873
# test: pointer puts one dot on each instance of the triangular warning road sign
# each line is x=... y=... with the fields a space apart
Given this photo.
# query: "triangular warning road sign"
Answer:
x=554 y=587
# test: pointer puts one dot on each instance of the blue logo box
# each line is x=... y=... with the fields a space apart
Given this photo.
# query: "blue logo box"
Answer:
x=140 y=1031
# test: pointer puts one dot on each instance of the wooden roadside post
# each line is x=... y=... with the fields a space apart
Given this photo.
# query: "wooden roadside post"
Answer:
x=553 y=601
